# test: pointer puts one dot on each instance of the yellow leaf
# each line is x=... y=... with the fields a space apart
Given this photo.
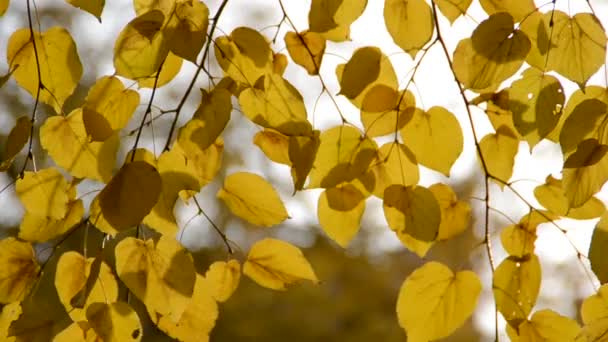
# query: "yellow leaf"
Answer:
x=518 y=9
x=275 y=103
x=551 y=196
x=274 y=145
x=60 y=67
x=499 y=150
x=171 y=67
x=518 y=239
x=160 y=274
x=279 y=63
x=17 y=138
x=340 y=210
x=575 y=47
x=3 y=6
x=497 y=109
x=95 y=7
x=516 y=284
x=41 y=228
x=199 y=318
x=585 y=172
x=410 y=24
x=332 y=18
x=186 y=30
x=253 y=199
x=367 y=67
x=97 y=219
x=223 y=279
x=586 y=121
x=208 y=122
x=452 y=9
x=546 y=325
x=275 y=264
x=412 y=210
x=433 y=301
x=67 y=142
x=244 y=56
x=115 y=322
x=597 y=250
x=109 y=98
x=343 y=155
x=580 y=95
x=435 y=137
x=594 y=313
x=18 y=269
x=536 y=101
x=494 y=53
x=306 y=49
x=302 y=153
x=44 y=193
x=130 y=195
x=141 y=46
x=455 y=214
x=384 y=111
x=71 y=277
x=394 y=163
x=77 y=332
x=177 y=173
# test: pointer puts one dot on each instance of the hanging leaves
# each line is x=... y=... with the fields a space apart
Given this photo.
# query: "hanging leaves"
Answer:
x=453 y=9
x=17 y=138
x=110 y=102
x=412 y=210
x=186 y=30
x=585 y=171
x=551 y=196
x=114 y=322
x=599 y=243
x=275 y=264
x=545 y=325
x=57 y=58
x=44 y=193
x=340 y=210
x=332 y=18
x=394 y=163
x=498 y=151
x=410 y=24
x=95 y=7
x=18 y=270
x=244 y=56
x=306 y=49
x=433 y=301
x=594 y=313
x=223 y=279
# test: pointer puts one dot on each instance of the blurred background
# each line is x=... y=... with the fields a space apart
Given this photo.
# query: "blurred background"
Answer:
x=357 y=296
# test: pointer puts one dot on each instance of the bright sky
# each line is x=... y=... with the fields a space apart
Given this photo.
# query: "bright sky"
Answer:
x=434 y=85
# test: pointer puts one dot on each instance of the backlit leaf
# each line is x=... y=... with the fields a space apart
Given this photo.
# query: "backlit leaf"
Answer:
x=44 y=193
x=551 y=196
x=60 y=67
x=197 y=320
x=274 y=145
x=332 y=18
x=3 y=6
x=141 y=46
x=95 y=7
x=186 y=30
x=545 y=325
x=223 y=279
x=594 y=313
x=410 y=24
x=208 y=122
x=302 y=154
x=494 y=53
x=518 y=9
x=452 y=9
x=587 y=120
x=306 y=49
x=516 y=284
x=276 y=104
x=394 y=163
x=343 y=155
x=433 y=301
x=97 y=219
x=585 y=172
x=275 y=264
x=160 y=274
x=17 y=138
x=115 y=322
x=71 y=277
x=455 y=214
x=499 y=150
x=536 y=101
x=435 y=137
x=109 y=98
x=576 y=98
x=518 y=239
x=379 y=112
x=412 y=210
x=80 y=331
x=597 y=249
x=67 y=142
x=171 y=67
x=18 y=269
x=42 y=228
x=340 y=210
x=130 y=195
x=244 y=56
x=253 y=199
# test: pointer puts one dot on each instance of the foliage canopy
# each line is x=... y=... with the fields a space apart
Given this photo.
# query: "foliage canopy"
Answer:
x=515 y=66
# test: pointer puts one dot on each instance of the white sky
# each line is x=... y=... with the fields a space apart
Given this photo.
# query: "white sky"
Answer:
x=434 y=86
